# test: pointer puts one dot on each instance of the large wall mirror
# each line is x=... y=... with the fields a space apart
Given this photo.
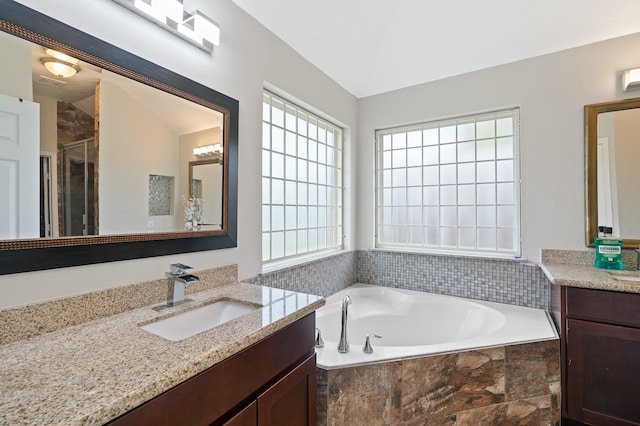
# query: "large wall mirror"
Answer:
x=112 y=161
x=612 y=151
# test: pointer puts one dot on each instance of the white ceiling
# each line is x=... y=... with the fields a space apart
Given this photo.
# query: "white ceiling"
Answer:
x=374 y=46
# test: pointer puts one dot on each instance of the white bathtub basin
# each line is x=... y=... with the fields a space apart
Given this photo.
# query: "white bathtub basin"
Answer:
x=198 y=320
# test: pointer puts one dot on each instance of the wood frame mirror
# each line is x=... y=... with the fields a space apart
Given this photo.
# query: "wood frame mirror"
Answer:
x=23 y=255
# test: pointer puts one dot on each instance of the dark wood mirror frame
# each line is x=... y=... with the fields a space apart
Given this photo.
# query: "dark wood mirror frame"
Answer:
x=48 y=253
x=591 y=166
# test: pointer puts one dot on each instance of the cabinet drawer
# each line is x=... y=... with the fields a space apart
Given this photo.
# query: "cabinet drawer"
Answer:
x=604 y=306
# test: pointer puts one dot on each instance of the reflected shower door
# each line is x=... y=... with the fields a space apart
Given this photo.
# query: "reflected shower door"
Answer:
x=78 y=188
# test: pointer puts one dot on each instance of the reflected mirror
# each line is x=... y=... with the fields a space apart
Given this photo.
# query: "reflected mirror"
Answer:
x=612 y=151
x=98 y=147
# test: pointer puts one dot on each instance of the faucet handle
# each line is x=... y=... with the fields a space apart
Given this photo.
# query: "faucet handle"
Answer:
x=178 y=269
x=319 y=341
x=367 y=344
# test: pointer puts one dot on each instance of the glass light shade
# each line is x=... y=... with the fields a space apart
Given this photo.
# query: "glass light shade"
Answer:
x=172 y=9
x=205 y=27
x=60 y=68
x=631 y=79
x=62 y=56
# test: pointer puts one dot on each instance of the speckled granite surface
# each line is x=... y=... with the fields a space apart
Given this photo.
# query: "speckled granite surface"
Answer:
x=95 y=371
x=587 y=276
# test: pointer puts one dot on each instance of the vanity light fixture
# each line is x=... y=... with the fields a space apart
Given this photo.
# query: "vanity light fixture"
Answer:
x=195 y=27
x=59 y=64
x=203 y=151
x=631 y=79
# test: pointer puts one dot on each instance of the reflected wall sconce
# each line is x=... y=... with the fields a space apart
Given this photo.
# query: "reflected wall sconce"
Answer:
x=204 y=151
x=631 y=79
x=195 y=27
x=59 y=64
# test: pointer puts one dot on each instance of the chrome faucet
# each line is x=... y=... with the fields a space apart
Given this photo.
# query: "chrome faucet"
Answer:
x=177 y=278
x=343 y=346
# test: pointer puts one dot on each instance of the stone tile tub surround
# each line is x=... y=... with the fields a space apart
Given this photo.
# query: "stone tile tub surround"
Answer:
x=511 y=281
x=32 y=320
x=516 y=384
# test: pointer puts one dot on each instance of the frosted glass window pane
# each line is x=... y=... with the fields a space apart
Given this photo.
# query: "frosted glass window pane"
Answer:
x=466 y=173
x=386 y=160
x=330 y=137
x=266 y=190
x=290 y=192
x=322 y=217
x=505 y=193
x=431 y=175
x=414 y=157
x=430 y=155
x=313 y=217
x=467 y=238
x=386 y=142
x=415 y=235
x=399 y=177
x=386 y=178
x=466 y=194
x=331 y=200
x=431 y=196
x=331 y=159
x=399 y=141
x=414 y=138
x=291 y=141
x=290 y=216
x=302 y=170
x=312 y=150
x=486 y=194
x=432 y=236
x=447 y=134
x=486 y=150
x=302 y=147
x=506 y=240
x=448 y=195
x=290 y=118
x=322 y=133
x=290 y=243
x=266 y=108
x=313 y=128
x=322 y=174
x=322 y=239
x=277 y=218
x=506 y=217
x=277 y=191
x=430 y=136
x=487 y=239
x=277 y=165
x=505 y=147
x=399 y=196
x=313 y=239
x=448 y=153
x=467 y=216
x=266 y=218
x=313 y=172
x=386 y=233
x=277 y=113
x=415 y=215
x=277 y=245
x=302 y=217
x=386 y=215
x=266 y=163
x=432 y=216
x=386 y=197
x=414 y=196
x=448 y=216
x=266 y=135
x=486 y=216
x=322 y=153
x=290 y=167
x=504 y=126
x=302 y=193
x=448 y=174
x=466 y=151
x=277 y=139
x=322 y=195
x=414 y=176
x=399 y=216
x=302 y=124
x=449 y=237
x=399 y=158
x=466 y=132
x=486 y=171
x=302 y=241
x=505 y=170
x=313 y=194
x=266 y=247
x=485 y=129
x=400 y=235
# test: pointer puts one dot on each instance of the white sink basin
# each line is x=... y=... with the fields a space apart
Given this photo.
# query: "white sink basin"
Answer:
x=198 y=320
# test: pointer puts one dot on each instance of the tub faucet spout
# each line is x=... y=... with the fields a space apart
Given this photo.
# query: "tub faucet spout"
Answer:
x=343 y=346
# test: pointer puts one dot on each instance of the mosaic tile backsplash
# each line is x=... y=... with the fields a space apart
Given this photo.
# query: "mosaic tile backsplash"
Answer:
x=495 y=280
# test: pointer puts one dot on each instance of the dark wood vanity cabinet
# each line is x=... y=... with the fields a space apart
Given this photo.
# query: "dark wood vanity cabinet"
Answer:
x=272 y=382
x=600 y=346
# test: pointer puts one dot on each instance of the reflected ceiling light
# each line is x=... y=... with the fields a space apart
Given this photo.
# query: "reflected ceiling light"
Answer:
x=631 y=79
x=60 y=68
x=195 y=27
x=63 y=57
x=203 y=151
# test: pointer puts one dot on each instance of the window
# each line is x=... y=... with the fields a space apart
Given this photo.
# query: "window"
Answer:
x=301 y=182
x=450 y=186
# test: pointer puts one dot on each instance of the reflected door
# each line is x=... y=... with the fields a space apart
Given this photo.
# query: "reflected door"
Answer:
x=78 y=209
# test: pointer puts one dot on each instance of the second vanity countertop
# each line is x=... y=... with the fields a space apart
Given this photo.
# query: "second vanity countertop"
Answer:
x=587 y=276
x=96 y=371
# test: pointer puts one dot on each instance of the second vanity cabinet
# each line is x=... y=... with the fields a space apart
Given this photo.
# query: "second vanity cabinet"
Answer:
x=272 y=382
x=601 y=355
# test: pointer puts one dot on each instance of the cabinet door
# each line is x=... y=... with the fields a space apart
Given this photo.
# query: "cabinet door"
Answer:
x=603 y=373
x=247 y=417
x=292 y=400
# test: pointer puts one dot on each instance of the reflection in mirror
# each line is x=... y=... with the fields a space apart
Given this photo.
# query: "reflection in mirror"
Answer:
x=612 y=173
x=206 y=184
x=94 y=163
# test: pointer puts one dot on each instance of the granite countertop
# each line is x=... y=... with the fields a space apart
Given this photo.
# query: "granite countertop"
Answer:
x=95 y=371
x=587 y=276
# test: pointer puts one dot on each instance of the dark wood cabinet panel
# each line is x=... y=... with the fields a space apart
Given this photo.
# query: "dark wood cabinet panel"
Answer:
x=247 y=417
x=603 y=306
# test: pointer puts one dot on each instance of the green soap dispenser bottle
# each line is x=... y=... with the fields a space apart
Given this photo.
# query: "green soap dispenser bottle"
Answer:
x=608 y=250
